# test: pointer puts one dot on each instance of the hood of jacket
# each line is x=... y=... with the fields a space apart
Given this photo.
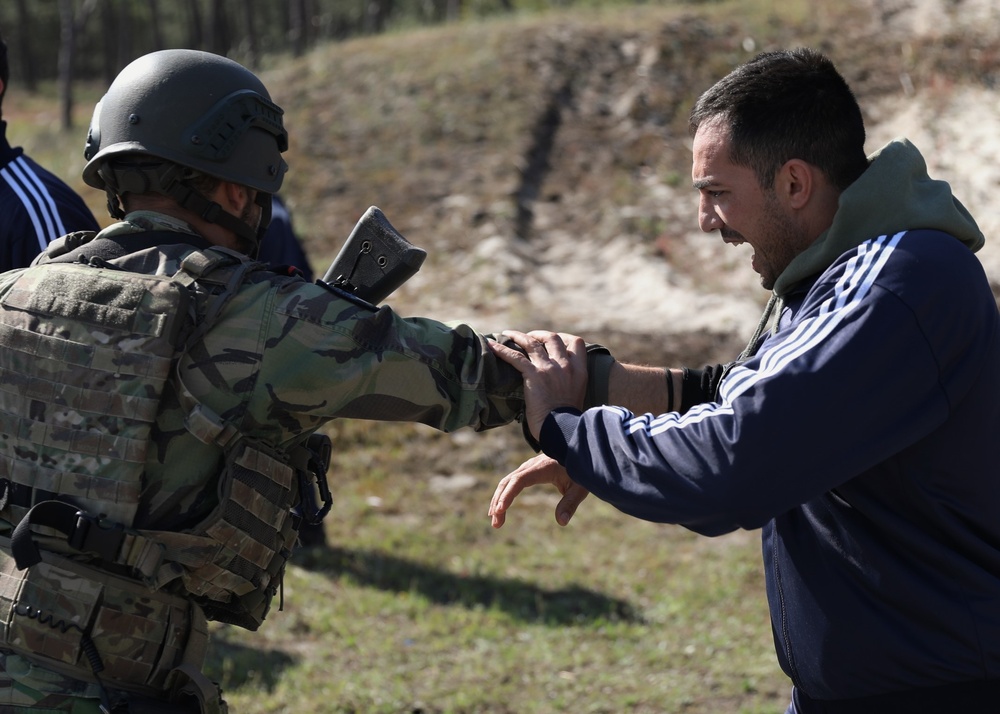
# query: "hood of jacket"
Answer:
x=893 y=194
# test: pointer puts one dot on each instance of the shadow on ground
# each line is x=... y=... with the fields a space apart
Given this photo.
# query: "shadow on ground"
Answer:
x=517 y=598
x=235 y=665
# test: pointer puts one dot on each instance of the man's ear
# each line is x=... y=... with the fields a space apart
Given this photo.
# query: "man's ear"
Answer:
x=795 y=182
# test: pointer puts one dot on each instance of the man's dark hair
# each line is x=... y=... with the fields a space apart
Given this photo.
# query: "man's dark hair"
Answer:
x=4 y=68
x=790 y=104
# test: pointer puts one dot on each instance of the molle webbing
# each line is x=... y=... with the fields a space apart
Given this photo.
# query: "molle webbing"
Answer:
x=76 y=620
x=84 y=356
x=255 y=530
x=231 y=563
x=85 y=353
x=254 y=525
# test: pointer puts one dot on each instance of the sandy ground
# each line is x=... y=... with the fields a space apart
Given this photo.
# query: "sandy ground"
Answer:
x=959 y=135
x=957 y=128
x=597 y=285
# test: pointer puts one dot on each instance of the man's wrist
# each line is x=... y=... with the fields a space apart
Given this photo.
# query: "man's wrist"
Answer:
x=556 y=431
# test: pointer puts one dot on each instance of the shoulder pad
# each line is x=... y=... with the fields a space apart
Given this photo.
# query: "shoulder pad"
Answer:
x=66 y=244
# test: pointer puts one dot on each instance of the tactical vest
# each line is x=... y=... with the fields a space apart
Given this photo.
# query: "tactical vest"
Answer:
x=85 y=353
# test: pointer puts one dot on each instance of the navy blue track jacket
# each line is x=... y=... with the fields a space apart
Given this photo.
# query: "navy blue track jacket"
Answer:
x=36 y=207
x=863 y=437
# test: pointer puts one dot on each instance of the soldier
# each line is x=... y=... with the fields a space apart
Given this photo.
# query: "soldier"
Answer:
x=160 y=395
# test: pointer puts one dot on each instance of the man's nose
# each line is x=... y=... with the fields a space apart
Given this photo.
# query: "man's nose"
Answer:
x=708 y=219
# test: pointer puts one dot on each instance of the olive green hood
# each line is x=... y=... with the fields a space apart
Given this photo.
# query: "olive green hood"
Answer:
x=893 y=194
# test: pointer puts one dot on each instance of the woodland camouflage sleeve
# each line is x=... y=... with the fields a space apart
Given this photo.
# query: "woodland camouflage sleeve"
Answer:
x=326 y=357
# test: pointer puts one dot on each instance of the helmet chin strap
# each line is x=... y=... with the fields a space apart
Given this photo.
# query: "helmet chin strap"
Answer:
x=212 y=212
x=169 y=180
x=265 y=202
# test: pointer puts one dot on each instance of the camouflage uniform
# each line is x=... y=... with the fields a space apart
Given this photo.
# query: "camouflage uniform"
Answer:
x=283 y=358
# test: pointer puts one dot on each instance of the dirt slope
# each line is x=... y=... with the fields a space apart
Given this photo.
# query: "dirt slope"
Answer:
x=544 y=163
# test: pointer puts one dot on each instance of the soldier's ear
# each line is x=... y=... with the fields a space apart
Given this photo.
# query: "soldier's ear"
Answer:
x=233 y=197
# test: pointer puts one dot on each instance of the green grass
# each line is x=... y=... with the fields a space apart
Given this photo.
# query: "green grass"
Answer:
x=418 y=605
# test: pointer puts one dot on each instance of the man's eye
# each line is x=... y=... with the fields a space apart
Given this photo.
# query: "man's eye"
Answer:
x=715 y=194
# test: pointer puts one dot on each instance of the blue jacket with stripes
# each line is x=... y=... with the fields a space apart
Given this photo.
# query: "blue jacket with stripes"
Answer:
x=36 y=207
x=862 y=437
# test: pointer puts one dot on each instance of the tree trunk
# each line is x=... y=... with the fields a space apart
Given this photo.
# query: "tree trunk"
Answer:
x=218 y=34
x=196 y=38
x=157 y=26
x=377 y=14
x=252 y=41
x=126 y=24
x=26 y=62
x=297 y=26
x=67 y=50
x=109 y=50
x=71 y=26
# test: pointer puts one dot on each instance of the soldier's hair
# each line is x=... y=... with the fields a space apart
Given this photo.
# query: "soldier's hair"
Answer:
x=4 y=68
x=201 y=182
x=789 y=104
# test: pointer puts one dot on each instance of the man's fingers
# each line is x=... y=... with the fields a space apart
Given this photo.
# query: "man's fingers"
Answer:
x=561 y=348
x=498 y=516
x=497 y=503
x=530 y=473
x=575 y=345
x=515 y=359
x=538 y=344
x=506 y=491
x=534 y=353
x=550 y=342
x=543 y=350
x=571 y=500
x=536 y=470
x=520 y=339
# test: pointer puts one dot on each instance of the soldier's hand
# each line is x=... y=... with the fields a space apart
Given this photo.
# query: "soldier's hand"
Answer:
x=554 y=367
x=537 y=470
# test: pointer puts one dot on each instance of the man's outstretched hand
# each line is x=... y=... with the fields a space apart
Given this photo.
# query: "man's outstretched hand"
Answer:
x=554 y=367
x=538 y=470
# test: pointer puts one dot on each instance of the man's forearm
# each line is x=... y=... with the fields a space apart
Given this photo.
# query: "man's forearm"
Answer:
x=643 y=389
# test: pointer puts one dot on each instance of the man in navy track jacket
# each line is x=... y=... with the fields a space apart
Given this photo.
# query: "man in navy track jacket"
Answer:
x=861 y=432
x=36 y=207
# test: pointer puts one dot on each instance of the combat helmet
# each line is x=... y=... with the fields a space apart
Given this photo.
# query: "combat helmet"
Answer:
x=185 y=109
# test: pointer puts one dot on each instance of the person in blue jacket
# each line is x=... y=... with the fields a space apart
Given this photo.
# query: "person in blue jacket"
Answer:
x=280 y=246
x=36 y=207
x=859 y=433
